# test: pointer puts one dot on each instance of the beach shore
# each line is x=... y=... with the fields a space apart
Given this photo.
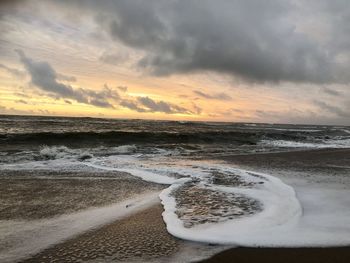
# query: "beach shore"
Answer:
x=286 y=255
x=142 y=236
x=332 y=163
x=324 y=161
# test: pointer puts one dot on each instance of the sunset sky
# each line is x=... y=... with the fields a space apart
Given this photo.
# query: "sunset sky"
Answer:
x=254 y=61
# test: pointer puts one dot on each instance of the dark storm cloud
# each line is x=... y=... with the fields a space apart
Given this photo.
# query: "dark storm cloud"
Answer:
x=262 y=41
x=45 y=77
x=253 y=39
x=216 y=96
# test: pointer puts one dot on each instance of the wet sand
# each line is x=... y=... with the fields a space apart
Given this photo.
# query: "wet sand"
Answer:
x=141 y=237
x=285 y=255
x=32 y=195
x=330 y=162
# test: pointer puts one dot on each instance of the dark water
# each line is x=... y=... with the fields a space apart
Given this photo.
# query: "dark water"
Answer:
x=23 y=136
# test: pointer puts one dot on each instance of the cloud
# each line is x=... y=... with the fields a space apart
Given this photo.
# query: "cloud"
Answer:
x=198 y=110
x=332 y=92
x=132 y=105
x=66 y=78
x=21 y=101
x=114 y=58
x=216 y=96
x=23 y=95
x=161 y=106
x=14 y=72
x=146 y=104
x=46 y=78
x=340 y=112
x=261 y=41
x=123 y=88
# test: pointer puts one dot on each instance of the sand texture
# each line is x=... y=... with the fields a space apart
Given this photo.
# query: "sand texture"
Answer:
x=48 y=194
x=140 y=237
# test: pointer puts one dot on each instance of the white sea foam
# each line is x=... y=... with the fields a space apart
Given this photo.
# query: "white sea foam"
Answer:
x=285 y=219
x=144 y=175
x=123 y=149
x=281 y=210
x=333 y=143
x=63 y=152
x=56 y=152
x=346 y=131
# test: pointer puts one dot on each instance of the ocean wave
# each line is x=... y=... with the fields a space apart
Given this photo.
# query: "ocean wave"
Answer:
x=320 y=144
x=63 y=152
x=126 y=137
x=121 y=137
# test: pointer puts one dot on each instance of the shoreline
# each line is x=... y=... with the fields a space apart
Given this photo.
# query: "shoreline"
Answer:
x=296 y=160
x=315 y=162
x=146 y=231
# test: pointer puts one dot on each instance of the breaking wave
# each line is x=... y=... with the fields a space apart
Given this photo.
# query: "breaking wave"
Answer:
x=331 y=143
x=62 y=152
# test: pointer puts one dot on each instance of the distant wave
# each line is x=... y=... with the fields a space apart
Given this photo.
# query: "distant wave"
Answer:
x=121 y=137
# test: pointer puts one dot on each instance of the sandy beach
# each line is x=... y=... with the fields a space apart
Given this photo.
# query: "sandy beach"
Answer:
x=277 y=255
x=43 y=194
x=142 y=236
x=330 y=162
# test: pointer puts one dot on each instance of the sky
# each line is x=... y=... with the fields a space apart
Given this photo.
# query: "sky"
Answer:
x=281 y=61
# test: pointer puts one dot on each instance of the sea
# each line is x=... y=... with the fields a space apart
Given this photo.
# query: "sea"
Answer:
x=35 y=138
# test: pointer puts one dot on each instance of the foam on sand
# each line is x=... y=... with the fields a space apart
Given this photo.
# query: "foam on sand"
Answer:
x=144 y=175
x=281 y=210
x=316 y=217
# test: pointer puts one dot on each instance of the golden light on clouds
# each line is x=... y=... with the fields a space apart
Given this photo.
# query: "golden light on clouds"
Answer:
x=74 y=52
